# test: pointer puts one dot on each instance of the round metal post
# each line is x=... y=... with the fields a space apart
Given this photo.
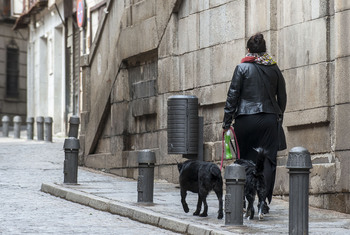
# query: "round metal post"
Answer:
x=17 y=121
x=40 y=127
x=70 y=169
x=30 y=129
x=74 y=122
x=48 y=129
x=299 y=165
x=145 y=182
x=5 y=126
x=235 y=177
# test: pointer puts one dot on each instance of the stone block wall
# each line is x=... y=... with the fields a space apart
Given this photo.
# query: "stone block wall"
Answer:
x=191 y=47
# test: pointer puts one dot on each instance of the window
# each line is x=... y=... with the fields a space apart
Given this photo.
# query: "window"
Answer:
x=12 y=71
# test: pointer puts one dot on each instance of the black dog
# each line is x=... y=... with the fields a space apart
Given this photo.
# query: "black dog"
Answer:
x=255 y=183
x=200 y=177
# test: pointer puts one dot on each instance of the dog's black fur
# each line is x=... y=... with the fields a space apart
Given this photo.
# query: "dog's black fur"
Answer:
x=255 y=183
x=200 y=177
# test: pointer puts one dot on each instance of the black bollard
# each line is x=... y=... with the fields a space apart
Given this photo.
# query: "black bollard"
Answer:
x=30 y=129
x=17 y=121
x=235 y=177
x=5 y=126
x=299 y=165
x=70 y=169
x=145 y=182
x=74 y=122
x=40 y=127
x=48 y=129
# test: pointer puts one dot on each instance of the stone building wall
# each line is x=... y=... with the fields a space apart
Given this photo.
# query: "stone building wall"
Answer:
x=164 y=48
x=12 y=106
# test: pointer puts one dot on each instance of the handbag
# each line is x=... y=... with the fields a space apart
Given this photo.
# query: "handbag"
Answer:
x=282 y=144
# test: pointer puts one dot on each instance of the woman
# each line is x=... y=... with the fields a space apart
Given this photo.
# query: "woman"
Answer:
x=250 y=105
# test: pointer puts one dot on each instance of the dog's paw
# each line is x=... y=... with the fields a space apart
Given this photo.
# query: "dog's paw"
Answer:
x=186 y=209
x=220 y=215
x=203 y=215
x=196 y=213
x=261 y=216
x=266 y=209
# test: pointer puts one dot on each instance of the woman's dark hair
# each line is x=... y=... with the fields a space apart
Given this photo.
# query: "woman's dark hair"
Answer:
x=256 y=43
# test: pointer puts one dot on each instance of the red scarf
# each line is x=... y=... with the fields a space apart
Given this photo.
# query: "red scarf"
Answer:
x=248 y=59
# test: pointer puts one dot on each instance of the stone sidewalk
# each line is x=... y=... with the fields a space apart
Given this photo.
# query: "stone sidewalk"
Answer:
x=118 y=195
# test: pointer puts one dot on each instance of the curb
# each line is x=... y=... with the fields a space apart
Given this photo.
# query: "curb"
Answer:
x=132 y=212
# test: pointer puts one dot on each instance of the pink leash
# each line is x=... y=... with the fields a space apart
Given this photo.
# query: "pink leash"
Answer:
x=223 y=146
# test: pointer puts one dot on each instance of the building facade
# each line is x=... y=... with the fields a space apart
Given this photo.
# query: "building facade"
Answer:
x=145 y=51
x=13 y=63
x=53 y=60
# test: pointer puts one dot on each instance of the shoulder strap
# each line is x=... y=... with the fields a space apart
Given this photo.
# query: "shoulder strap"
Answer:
x=273 y=100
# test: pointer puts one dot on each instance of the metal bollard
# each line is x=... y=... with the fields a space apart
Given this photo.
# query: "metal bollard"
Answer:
x=40 y=127
x=30 y=129
x=5 y=126
x=70 y=168
x=145 y=181
x=74 y=122
x=299 y=165
x=48 y=129
x=235 y=177
x=17 y=121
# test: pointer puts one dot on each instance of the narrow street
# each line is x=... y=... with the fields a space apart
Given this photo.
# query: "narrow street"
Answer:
x=24 y=165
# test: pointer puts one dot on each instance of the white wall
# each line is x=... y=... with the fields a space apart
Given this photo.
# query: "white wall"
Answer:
x=46 y=79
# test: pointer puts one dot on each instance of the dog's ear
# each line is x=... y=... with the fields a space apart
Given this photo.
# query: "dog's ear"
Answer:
x=179 y=166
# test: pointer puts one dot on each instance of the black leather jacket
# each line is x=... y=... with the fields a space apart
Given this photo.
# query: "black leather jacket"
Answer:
x=247 y=93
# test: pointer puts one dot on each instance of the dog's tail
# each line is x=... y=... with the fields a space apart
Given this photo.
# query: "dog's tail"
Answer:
x=262 y=154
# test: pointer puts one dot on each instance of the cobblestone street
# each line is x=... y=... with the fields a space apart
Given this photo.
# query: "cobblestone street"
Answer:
x=24 y=165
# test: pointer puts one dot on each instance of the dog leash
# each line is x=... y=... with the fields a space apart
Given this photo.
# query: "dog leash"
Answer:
x=223 y=146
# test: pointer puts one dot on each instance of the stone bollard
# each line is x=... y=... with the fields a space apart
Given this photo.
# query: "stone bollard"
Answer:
x=40 y=127
x=70 y=168
x=145 y=181
x=74 y=122
x=17 y=121
x=235 y=177
x=48 y=129
x=5 y=126
x=30 y=129
x=299 y=165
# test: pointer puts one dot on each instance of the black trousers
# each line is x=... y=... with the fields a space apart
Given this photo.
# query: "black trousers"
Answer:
x=259 y=130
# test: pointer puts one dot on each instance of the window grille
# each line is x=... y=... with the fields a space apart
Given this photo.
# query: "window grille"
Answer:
x=12 y=70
